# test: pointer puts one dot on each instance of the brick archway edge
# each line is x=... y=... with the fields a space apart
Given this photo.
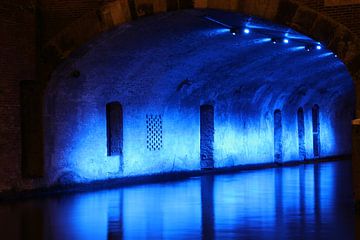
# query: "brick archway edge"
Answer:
x=330 y=33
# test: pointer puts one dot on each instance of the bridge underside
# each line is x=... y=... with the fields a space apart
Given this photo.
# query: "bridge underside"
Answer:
x=178 y=91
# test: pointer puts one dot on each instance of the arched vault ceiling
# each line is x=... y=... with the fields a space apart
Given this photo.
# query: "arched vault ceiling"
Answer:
x=182 y=55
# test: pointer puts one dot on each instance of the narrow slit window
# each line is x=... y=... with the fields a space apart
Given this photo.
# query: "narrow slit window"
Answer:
x=316 y=130
x=277 y=136
x=207 y=136
x=114 y=125
x=301 y=133
x=32 y=162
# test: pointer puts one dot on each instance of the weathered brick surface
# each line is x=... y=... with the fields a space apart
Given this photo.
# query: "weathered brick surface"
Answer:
x=349 y=15
x=57 y=14
x=356 y=162
x=322 y=28
x=17 y=63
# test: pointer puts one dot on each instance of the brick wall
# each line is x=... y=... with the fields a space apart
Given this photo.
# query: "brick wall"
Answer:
x=57 y=14
x=348 y=15
x=17 y=63
x=18 y=51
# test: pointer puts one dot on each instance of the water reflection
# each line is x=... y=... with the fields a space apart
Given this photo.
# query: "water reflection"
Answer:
x=207 y=207
x=302 y=202
x=115 y=216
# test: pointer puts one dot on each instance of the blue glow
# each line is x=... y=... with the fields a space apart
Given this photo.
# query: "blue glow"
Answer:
x=297 y=37
x=286 y=41
x=216 y=32
x=318 y=47
x=233 y=31
x=294 y=49
x=262 y=40
x=255 y=26
x=311 y=201
x=217 y=22
x=325 y=54
x=246 y=30
x=244 y=79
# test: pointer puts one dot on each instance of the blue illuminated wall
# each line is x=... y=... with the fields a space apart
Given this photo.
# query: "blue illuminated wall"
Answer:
x=169 y=65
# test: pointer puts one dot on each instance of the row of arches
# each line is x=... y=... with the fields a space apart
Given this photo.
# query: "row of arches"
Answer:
x=114 y=126
x=278 y=146
x=114 y=133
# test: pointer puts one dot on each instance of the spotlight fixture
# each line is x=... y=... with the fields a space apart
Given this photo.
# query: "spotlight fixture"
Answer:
x=307 y=44
x=310 y=47
x=307 y=48
x=234 y=31
x=274 y=40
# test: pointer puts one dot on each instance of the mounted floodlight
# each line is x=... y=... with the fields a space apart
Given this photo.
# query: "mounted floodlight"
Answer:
x=274 y=40
x=234 y=31
x=308 y=47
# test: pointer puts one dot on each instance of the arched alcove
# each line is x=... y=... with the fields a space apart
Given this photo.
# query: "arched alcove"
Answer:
x=316 y=130
x=278 y=152
x=301 y=133
x=206 y=136
x=114 y=128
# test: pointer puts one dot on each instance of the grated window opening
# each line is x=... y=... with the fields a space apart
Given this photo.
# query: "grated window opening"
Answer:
x=154 y=138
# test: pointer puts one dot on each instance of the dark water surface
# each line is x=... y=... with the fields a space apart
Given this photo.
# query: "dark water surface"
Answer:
x=301 y=202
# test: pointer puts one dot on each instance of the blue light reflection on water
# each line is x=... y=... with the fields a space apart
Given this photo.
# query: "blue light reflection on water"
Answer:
x=301 y=202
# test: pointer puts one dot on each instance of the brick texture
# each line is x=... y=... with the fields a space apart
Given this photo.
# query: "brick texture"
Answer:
x=25 y=28
x=17 y=63
x=348 y=15
x=57 y=14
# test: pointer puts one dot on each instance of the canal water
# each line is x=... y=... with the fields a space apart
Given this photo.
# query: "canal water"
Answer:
x=312 y=201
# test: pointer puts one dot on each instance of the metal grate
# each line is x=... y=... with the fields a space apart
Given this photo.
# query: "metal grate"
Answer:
x=154 y=140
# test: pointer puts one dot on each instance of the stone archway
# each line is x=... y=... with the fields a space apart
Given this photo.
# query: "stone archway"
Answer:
x=330 y=33
x=333 y=35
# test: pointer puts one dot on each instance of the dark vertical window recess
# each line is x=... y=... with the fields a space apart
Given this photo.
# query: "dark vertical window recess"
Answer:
x=114 y=125
x=132 y=8
x=207 y=137
x=173 y=5
x=301 y=133
x=32 y=163
x=185 y=4
x=316 y=130
x=277 y=136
